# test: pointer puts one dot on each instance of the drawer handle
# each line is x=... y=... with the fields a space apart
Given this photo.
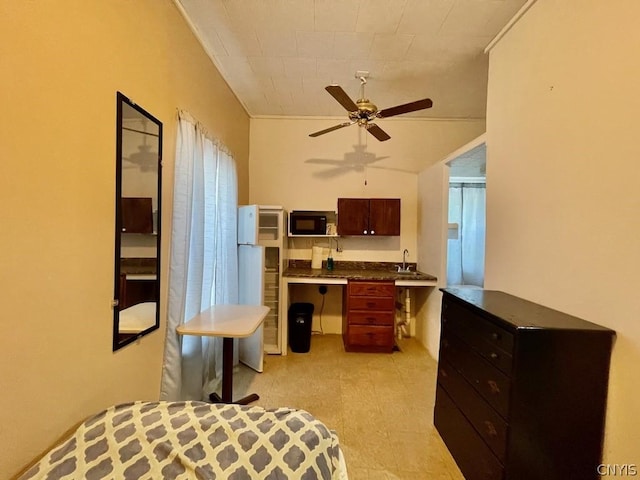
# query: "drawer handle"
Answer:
x=371 y=304
x=495 y=336
x=371 y=319
x=493 y=386
x=491 y=429
x=494 y=355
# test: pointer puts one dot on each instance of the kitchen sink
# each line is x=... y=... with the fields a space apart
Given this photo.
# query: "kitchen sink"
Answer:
x=406 y=272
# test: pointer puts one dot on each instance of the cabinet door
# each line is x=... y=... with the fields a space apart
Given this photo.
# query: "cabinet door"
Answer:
x=384 y=216
x=353 y=216
x=137 y=214
x=251 y=292
x=248 y=225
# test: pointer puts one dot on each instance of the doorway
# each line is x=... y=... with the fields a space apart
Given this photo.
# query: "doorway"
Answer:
x=467 y=218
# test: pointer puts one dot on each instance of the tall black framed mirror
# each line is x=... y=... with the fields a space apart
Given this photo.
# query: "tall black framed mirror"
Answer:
x=137 y=229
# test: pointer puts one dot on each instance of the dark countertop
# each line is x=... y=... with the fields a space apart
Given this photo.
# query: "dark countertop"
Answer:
x=355 y=271
x=138 y=266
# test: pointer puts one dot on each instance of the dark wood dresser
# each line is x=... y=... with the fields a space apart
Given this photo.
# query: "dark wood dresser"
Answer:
x=522 y=388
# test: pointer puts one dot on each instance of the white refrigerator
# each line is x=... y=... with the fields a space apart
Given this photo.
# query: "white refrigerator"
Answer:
x=250 y=292
x=261 y=229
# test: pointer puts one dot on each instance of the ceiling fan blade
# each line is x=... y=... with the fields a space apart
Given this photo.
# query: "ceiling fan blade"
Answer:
x=341 y=96
x=377 y=132
x=405 y=108
x=330 y=129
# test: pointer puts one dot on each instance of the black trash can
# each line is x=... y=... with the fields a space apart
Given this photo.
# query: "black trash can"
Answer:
x=300 y=318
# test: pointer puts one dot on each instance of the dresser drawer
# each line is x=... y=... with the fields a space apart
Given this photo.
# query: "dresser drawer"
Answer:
x=372 y=303
x=479 y=332
x=478 y=340
x=366 y=336
x=475 y=459
x=375 y=289
x=371 y=318
x=486 y=421
x=491 y=383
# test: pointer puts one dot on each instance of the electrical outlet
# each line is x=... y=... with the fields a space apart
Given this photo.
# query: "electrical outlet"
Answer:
x=322 y=289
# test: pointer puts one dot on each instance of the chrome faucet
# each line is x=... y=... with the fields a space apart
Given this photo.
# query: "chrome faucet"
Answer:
x=403 y=267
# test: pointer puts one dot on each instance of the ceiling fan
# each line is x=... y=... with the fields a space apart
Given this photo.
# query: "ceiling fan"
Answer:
x=363 y=112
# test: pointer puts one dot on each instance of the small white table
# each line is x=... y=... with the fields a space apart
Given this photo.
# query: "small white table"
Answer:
x=229 y=322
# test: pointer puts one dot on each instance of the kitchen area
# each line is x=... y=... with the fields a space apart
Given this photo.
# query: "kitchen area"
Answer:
x=371 y=303
x=301 y=173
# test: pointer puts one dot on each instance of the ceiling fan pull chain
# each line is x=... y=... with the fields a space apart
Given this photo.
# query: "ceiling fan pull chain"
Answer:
x=366 y=145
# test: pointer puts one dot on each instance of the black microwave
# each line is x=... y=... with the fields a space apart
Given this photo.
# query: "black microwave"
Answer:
x=307 y=223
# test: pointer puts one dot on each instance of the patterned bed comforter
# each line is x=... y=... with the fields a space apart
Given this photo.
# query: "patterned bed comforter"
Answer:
x=180 y=440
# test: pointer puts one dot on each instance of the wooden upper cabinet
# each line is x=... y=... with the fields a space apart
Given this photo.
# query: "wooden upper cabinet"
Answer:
x=369 y=216
x=353 y=216
x=384 y=216
x=137 y=215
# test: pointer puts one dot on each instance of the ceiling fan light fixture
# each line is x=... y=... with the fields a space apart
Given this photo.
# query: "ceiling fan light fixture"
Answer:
x=364 y=111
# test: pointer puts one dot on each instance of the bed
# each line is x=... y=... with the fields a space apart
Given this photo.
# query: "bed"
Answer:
x=195 y=440
x=137 y=318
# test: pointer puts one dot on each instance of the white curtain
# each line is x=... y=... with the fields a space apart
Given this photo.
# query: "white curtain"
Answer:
x=465 y=251
x=203 y=268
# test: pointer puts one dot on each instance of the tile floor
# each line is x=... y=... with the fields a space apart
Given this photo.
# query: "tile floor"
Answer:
x=380 y=405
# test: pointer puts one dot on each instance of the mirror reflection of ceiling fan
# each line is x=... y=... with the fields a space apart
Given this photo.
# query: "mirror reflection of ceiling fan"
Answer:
x=363 y=112
x=145 y=159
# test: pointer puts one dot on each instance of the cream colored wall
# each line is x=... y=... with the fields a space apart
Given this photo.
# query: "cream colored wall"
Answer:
x=62 y=63
x=563 y=179
x=280 y=174
x=433 y=188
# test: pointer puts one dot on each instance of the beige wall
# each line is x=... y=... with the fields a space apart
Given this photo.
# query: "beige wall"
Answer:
x=62 y=63
x=433 y=190
x=563 y=179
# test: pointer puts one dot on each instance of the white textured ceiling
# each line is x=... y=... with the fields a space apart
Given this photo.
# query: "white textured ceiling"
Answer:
x=278 y=55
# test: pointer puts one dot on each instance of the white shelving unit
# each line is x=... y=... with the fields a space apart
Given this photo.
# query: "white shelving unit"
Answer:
x=271 y=235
